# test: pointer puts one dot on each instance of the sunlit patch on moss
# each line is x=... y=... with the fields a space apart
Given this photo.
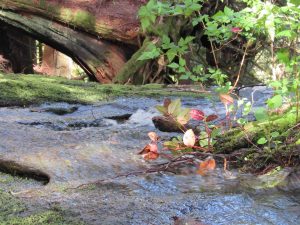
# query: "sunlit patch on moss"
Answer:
x=34 y=89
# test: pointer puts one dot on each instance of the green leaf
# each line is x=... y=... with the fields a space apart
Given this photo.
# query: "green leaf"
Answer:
x=241 y=121
x=228 y=12
x=184 y=116
x=275 y=134
x=275 y=102
x=188 y=39
x=261 y=114
x=262 y=141
x=295 y=2
x=173 y=65
x=216 y=132
x=174 y=107
x=283 y=55
x=178 y=10
x=152 y=52
x=161 y=109
x=171 y=53
x=171 y=144
x=182 y=61
x=286 y=33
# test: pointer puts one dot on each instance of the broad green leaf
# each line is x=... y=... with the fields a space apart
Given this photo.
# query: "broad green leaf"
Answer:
x=188 y=39
x=174 y=107
x=286 y=33
x=171 y=144
x=183 y=116
x=171 y=53
x=261 y=114
x=262 y=141
x=215 y=132
x=152 y=52
x=161 y=109
x=283 y=55
x=173 y=65
x=275 y=102
x=275 y=134
x=295 y=2
x=182 y=61
x=241 y=121
x=228 y=12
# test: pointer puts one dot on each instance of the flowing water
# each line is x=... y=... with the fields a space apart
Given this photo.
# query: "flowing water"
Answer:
x=62 y=146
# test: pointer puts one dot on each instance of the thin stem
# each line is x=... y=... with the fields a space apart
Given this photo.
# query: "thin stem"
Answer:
x=240 y=69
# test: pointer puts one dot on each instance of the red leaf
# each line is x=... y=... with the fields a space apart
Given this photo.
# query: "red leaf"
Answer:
x=236 y=29
x=211 y=118
x=207 y=165
x=196 y=114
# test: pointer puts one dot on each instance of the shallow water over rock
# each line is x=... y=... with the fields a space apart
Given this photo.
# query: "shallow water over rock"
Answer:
x=96 y=142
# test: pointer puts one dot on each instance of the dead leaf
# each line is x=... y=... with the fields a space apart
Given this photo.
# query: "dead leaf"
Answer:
x=226 y=99
x=151 y=156
x=189 y=138
x=167 y=102
x=161 y=61
x=153 y=136
x=145 y=150
x=186 y=221
x=209 y=164
x=152 y=147
x=211 y=117
x=150 y=152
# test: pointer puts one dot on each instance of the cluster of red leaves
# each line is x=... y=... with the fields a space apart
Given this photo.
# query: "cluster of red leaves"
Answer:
x=190 y=141
x=150 y=151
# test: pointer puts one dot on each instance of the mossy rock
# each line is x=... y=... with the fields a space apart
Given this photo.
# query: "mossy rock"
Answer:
x=24 y=90
x=13 y=212
x=238 y=138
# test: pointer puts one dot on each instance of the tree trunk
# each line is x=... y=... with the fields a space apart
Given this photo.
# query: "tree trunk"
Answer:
x=99 y=35
x=18 y=49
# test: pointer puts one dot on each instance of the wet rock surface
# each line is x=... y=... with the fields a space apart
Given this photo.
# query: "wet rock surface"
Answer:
x=101 y=141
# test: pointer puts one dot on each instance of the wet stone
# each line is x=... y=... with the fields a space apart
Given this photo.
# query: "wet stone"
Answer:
x=88 y=147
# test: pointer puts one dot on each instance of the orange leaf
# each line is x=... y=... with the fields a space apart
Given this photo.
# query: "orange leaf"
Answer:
x=145 y=150
x=151 y=156
x=152 y=147
x=206 y=166
x=226 y=99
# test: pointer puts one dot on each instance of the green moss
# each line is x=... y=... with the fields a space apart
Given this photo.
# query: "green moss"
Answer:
x=34 y=89
x=13 y=211
x=239 y=138
x=48 y=217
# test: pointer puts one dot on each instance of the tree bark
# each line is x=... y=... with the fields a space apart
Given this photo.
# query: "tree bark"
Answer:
x=18 y=49
x=99 y=35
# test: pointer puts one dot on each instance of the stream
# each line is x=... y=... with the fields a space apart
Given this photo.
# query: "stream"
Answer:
x=60 y=146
